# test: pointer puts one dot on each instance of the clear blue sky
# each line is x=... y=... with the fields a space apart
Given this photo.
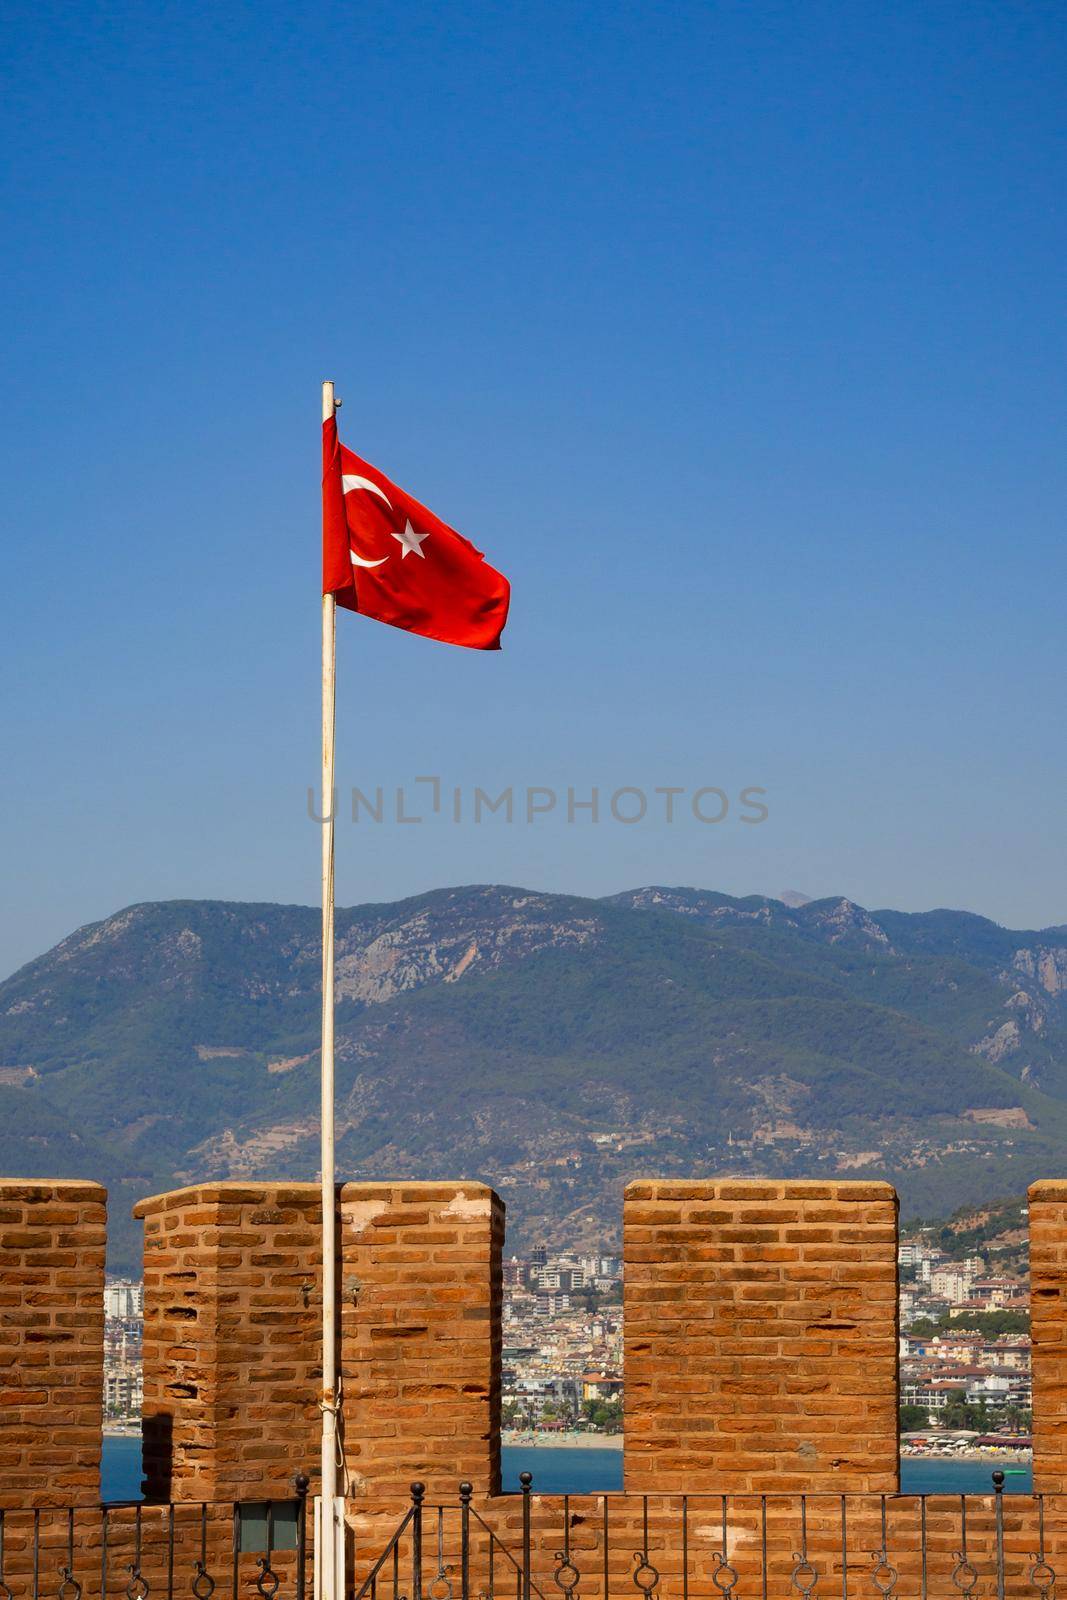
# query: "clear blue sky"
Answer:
x=734 y=334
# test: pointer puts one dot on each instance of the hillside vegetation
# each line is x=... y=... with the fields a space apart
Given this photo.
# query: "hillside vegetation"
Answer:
x=552 y=1045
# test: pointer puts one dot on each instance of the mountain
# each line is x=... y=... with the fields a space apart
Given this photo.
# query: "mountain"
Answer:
x=553 y=1045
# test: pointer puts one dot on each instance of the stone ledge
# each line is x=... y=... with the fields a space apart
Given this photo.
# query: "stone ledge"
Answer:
x=229 y=1192
x=36 y=1190
x=749 y=1189
x=1054 y=1189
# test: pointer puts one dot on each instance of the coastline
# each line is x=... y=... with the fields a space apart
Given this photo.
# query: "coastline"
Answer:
x=1021 y=1458
x=561 y=1441
x=513 y=1438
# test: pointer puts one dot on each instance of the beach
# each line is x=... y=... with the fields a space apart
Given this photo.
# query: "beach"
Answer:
x=592 y=1464
x=561 y=1441
x=1010 y=1457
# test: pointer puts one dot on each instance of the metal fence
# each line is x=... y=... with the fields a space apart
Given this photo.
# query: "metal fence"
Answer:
x=126 y=1550
x=526 y=1546
x=715 y=1547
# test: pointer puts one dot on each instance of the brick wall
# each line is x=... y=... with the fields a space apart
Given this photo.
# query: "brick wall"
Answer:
x=420 y=1343
x=52 y=1238
x=760 y=1336
x=232 y=1349
x=1048 y=1332
x=607 y=1539
x=232 y=1343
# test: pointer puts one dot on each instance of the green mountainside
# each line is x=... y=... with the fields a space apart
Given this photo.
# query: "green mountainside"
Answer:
x=552 y=1045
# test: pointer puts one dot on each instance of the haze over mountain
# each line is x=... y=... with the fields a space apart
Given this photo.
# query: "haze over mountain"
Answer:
x=553 y=1045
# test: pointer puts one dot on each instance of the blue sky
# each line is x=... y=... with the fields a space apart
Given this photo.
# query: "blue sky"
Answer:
x=733 y=333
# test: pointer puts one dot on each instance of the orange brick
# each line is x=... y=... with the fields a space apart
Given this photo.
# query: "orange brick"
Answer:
x=757 y=1316
x=420 y=1335
x=52 y=1269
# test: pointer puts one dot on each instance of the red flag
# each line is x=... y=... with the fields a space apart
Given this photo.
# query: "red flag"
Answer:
x=385 y=555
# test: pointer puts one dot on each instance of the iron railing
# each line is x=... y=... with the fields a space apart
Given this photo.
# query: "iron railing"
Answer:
x=386 y=1570
x=128 y=1550
x=702 y=1546
x=816 y=1546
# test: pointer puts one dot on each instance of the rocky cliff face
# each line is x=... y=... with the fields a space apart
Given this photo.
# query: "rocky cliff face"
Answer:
x=469 y=933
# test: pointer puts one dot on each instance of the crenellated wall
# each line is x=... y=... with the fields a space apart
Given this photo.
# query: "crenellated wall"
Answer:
x=1048 y=1333
x=52 y=1240
x=421 y=1287
x=760 y=1338
x=232 y=1351
x=232 y=1358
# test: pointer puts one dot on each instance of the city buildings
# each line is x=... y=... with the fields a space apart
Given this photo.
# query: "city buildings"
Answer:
x=562 y=1360
x=964 y=1340
x=123 y=1300
x=123 y=1336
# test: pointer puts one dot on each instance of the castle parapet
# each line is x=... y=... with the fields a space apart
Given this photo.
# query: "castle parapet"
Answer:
x=760 y=1339
x=232 y=1341
x=760 y=1336
x=1048 y=1333
x=421 y=1285
x=232 y=1348
x=52 y=1241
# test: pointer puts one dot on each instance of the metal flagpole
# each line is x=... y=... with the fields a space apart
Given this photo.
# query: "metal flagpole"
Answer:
x=329 y=1583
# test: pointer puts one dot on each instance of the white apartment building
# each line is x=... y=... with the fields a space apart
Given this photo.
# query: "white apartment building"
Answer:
x=123 y=1392
x=952 y=1284
x=123 y=1299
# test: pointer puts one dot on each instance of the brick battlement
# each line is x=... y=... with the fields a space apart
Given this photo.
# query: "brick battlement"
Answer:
x=52 y=1240
x=1048 y=1332
x=760 y=1338
x=421 y=1285
x=232 y=1357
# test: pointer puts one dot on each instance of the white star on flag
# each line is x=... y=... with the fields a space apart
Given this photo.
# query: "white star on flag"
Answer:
x=411 y=541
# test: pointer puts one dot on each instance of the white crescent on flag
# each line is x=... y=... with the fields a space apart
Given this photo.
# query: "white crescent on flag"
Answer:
x=349 y=482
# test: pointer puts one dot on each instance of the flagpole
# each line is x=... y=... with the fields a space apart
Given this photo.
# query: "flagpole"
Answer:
x=328 y=1587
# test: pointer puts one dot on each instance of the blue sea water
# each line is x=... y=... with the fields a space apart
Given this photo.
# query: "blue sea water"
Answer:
x=594 y=1471
x=561 y=1471
x=120 y=1467
x=578 y=1471
x=963 y=1477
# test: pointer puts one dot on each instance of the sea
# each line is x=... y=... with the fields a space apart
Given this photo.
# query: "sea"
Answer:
x=597 y=1471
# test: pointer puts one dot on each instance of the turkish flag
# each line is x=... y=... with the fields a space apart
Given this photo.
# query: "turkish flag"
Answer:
x=385 y=555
